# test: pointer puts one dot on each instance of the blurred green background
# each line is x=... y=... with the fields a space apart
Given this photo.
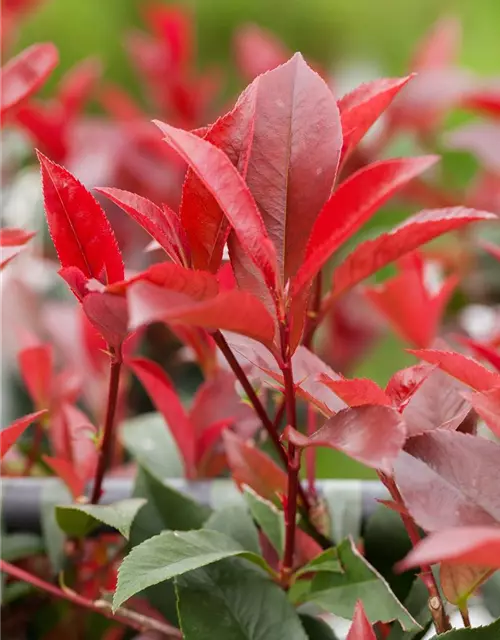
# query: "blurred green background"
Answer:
x=379 y=35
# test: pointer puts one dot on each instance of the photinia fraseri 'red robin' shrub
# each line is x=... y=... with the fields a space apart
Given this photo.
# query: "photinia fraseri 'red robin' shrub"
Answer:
x=268 y=200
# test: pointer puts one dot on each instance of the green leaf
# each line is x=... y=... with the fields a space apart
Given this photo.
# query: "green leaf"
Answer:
x=489 y=632
x=16 y=546
x=326 y=561
x=316 y=629
x=417 y=604
x=338 y=592
x=16 y=590
x=54 y=493
x=148 y=440
x=171 y=554
x=268 y=517
x=235 y=522
x=77 y=520
x=386 y=542
x=166 y=508
x=233 y=600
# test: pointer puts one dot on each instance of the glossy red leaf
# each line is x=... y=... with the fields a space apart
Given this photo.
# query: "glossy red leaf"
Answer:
x=235 y=311
x=449 y=479
x=12 y=242
x=351 y=205
x=222 y=179
x=356 y=392
x=81 y=233
x=198 y=285
x=478 y=546
x=373 y=435
x=109 y=315
x=404 y=383
x=23 y=75
x=487 y=405
x=250 y=466
x=36 y=367
x=68 y=474
x=437 y=403
x=360 y=629
x=162 y=224
x=372 y=255
x=461 y=367
x=413 y=310
x=360 y=108
x=162 y=392
x=10 y=434
x=258 y=50
x=482 y=351
x=202 y=218
x=292 y=165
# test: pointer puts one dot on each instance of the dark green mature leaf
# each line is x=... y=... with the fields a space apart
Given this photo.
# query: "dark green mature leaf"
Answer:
x=166 y=508
x=316 y=629
x=171 y=554
x=77 y=520
x=148 y=440
x=386 y=542
x=236 y=522
x=338 y=592
x=20 y=545
x=417 y=604
x=326 y=561
x=268 y=517
x=489 y=632
x=233 y=600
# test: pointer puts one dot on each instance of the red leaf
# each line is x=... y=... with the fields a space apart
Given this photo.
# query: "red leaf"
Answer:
x=440 y=46
x=25 y=74
x=72 y=439
x=46 y=126
x=257 y=51
x=360 y=108
x=487 y=405
x=449 y=480
x=250 y=466
x=109 y=315
x=162 y=392
x=67 y=473
x=222 y=179
x=482 y=351
x=162 y=224
x=356 y=392
x=351 y=205
x=77 y=85
x=485 y=100
x=372 y=255
x=36 y=366
x=295 y=149
x=460 y=367
x=403 y=384
x=235 y=310
x=492 y=249
x=10 y=434
x=405 y=300
x=373 y=435
x=198 y=285
x=11 y=242
x=437 y=403
x=81 y=233
x=361 y=629
x=478 y=546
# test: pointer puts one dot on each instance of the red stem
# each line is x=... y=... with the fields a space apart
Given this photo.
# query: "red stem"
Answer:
x=129 y=618
x=441 y=620
x=293 y=461
x=108 y=436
